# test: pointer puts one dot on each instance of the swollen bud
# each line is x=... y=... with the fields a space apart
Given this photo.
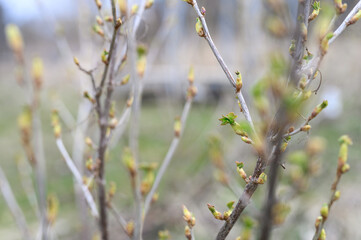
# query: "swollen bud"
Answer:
x=199 y=28
x=355 y=18
x=177 y=127
x=306 y=128
x=316 y=10
x=239 y=83
x=324 y=211
x=325 y=44
x=76 y=61
x=340 y=7
x=318 y=221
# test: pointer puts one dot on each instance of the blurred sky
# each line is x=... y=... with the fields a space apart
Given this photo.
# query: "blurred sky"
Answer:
x=23 y=11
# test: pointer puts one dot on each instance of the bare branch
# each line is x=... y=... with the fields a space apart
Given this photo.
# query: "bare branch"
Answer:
x=13 y=206
x=69 y=162
x=345 y=22
x=168 y=157
x=223 y=65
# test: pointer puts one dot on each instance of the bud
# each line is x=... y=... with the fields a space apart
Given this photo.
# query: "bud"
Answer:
x=262 y=178
x=149 y=4
x=98 y=3
x=130 y=228
x=306 y=128
x=242 y=173
x=52 y=208
x=108 y=18
x=203 y=11
x=323 y=232
x=192 y=91
x=191 y=75
x=345 y=168
x=199 y=28
x=317 y=110
x=118 y=23
x=57 y=131
x=122 y=7
x=355 y=18
x=247 y=140
x=319 y=219
x=189 y=2
x=37 y=72
x=134 y=9
x=87 y=96
x=89 y=164
x=216 y=214
x=239 y=83
x=316 y=10
x=345 y=141
x=104 y=57
x=130 y=101
x=188 y=217
x=129 y=162
x=99 y=21
x=98 y=30
x=325 y=44
x=113 y=123
x=187 y=232
x=125 y=79
x=230 y=205
x=292 y=47
x=76 y=61
x=89 y=142
x=55 y=123
x=337 y=195
x=141 y=64
x=14 y=38
x=163 y=235
x=324 y=211
x=177 y=127
x=112 y=189
x=340 y=7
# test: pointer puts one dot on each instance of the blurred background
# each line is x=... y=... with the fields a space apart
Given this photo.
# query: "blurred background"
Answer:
x=247 y=34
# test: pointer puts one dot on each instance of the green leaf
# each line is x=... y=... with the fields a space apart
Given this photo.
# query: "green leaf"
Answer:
x=228 y=119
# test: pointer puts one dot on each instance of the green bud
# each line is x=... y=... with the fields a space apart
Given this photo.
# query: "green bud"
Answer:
x=262 y=178
x=230 y=205
x=337 y=195
x=324 y=211
x=355 y=18
x=345 y=168
x=322 y=235
x=319 y=219
x=199 y=28
x=239 y=82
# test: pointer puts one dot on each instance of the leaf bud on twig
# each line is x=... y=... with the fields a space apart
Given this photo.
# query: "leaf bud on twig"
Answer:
x=98 y=3
x=324 y=211
x=340 y=7
x=355 y=18
x=199 y=28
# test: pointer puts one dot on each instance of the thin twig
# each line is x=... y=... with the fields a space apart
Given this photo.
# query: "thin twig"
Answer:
x=14 y=206
x=69 y=162
x=168 y=157
x=122 y=222
x=223 y=65
x=345 y=22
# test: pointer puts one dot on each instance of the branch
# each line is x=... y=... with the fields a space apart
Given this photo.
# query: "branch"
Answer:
x=168 y=157
x=300 y=38
x=315 y=63
x=13 y=206
x=69 y=162
x=119 y=218
x=346 y=22
x=223 y=65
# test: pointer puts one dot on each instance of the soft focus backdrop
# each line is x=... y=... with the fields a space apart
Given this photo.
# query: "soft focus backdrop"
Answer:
x=57 y=30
